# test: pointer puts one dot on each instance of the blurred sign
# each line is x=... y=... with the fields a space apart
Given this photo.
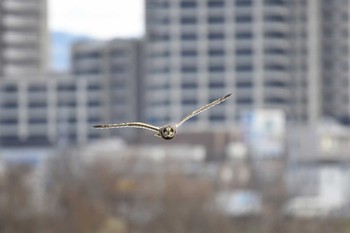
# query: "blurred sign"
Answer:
x=240 y=203
x=236 y=150
x=334 y=141
x=334 y=184
x=25 y=155
x=264 y=132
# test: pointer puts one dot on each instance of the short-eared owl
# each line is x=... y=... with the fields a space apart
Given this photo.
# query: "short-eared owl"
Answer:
x=167 y=132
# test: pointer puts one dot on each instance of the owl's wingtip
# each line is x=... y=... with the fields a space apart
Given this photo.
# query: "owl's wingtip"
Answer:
x=228 y=95
x=98 y=126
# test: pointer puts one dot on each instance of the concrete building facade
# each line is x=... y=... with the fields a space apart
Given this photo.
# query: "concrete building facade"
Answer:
x=264 y=52
x=335 y=59
x=54 y=109
x=43 y=111
x=118 y=65
x=23 y=37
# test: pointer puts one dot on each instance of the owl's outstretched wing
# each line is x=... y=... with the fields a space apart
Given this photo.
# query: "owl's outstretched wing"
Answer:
x=212 y=104
x=129 y=124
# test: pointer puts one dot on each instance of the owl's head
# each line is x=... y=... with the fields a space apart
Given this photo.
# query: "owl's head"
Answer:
x=168 y=132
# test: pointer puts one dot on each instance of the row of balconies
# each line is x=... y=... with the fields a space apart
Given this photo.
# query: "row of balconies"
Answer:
x=280 y=59
x=17 y=70
x=14 y=5
x=52 y=112
x=191 y=93
x=14 y=38
x=43 y=129
x=202 y=25
x=44 y=94
x=10 y=21
x=240 y=10
x=100 y=65
x=12 y=54
x=200 y=45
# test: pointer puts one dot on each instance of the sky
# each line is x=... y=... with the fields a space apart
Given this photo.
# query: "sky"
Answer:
x=100 y=19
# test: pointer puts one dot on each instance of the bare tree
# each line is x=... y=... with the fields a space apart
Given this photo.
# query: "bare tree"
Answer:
x=186 y=206
x=16 y=214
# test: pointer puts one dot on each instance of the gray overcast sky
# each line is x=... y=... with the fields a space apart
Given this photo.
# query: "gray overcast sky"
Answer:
x=103 y=19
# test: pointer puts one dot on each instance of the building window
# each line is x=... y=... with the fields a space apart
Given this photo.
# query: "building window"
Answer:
x=94 y=87
x=35 y=88
x=275 y=67
x=246 y=67
x=189 y=53
x=118 y=69
x=158 y=4
x=161 y=37
x=66 y=87
x=275 y=2
x=94 y=119
x=216 y=69
x=244 y=51
x=275 y=34
x=216 y=19
x=66 y=104
x=190 y=36
x=275 y=100
x=11 y=121
x=276 y=51
x=244 y=84
x=189 y=69
x=160 y=70
x=243 y=2
x=90 y=55
x=89 y=71
x=189 y=85
x=216 y=36
x=118 y=53
x=94 y=103
x=188 y=4
x=188 y=20
x=37 y=121
x=214 y=4
x=37 y=105
x=160 y=54
x=275 y=18
x=10 y=88
x=244 y=18
x=275 y=83
x=216 y=84
x=10 y=105
x=216 y=52
x=244 y=35
x=246 y=100
x=189 y=102
x=94 y=136
x=216 y=117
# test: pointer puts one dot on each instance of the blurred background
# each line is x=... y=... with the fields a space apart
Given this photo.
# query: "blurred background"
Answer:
x=274 y=157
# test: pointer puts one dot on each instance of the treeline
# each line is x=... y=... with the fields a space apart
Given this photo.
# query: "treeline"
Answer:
x=126 y=196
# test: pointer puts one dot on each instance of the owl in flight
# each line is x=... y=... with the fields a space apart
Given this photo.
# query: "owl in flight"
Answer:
x=167 y=132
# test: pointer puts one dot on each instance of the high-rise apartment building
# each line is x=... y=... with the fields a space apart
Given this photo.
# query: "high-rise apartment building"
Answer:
x=335 y=44
x=49 y=110
x=23 y=37
x=118 y=65
x=104 y=87
x=265 y=52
